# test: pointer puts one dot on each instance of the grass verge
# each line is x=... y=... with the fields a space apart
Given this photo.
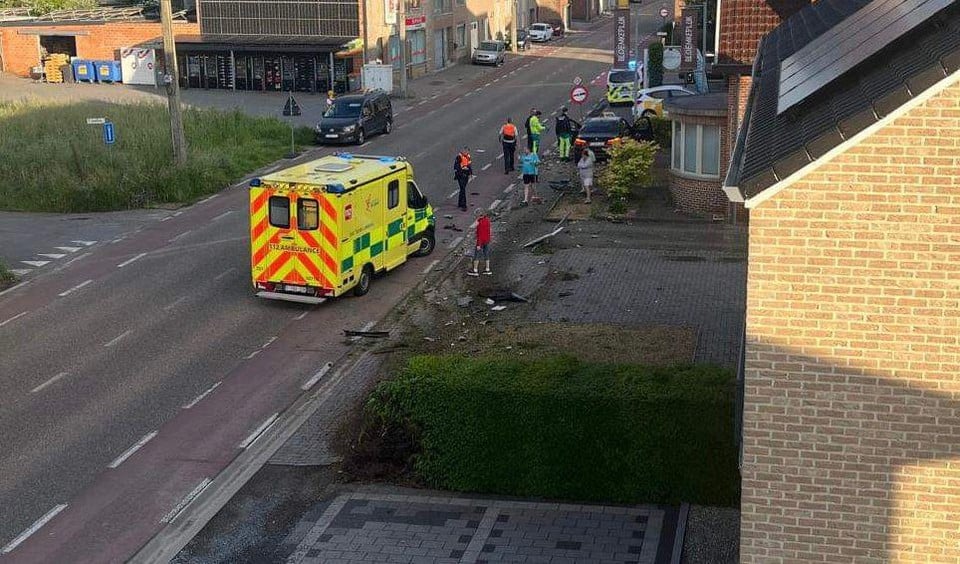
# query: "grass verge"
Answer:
x=557 y=427
x=7 y=278
x=55 y=162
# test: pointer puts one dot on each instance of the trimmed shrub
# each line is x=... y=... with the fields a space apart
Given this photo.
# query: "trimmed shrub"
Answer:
x=656 y=64
x=629 y=167
x=662 y=131
x=559 y=428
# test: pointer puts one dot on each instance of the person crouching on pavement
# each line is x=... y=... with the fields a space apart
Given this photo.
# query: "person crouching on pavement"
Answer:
x=482 y=249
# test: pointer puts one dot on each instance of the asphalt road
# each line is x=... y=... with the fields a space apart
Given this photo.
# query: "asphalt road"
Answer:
x=155 y=339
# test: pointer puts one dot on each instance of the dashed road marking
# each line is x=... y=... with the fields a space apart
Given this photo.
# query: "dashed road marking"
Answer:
x=49 y=382
x=199 y=398
x=54 y=256
x=21 y=271
x=68 y=249
x=14 y=318
x=430 y=266
x=452 y=194
x=130 y=451
x=500 y=156
x=208 y=198
x=180 y=236
x=455 y=242
x=486 y=166
x=224 y=273
x=300 y=316
x=494 y=204
x=269 y=342
x=33 y=528
x=75 y=259
x=175 y=303
x=251 y=355
x=87 y=243
x=35 y=263
x=74 y=289
x=186 y=501
x=223 y=215
x=252 y=438
x=129 y=261
x=316 y=377
x=118 y=338
x=509 y=188
x=485 y=85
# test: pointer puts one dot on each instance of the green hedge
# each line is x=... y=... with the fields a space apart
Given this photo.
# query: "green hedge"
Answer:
x=563 y=429
x=655 y=59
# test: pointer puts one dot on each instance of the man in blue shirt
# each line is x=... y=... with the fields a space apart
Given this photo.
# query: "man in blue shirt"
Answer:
x=529 y=163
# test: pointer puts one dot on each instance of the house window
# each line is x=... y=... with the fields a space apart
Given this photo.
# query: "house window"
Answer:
x=461 y=35
x=696 y=149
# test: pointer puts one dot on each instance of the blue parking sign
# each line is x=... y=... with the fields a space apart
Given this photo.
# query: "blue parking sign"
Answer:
x=109 y=135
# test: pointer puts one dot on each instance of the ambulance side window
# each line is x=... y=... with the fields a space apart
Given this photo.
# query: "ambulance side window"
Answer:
x=280 y=211
x=415 y=200
x=308 y=214
x=393 y=194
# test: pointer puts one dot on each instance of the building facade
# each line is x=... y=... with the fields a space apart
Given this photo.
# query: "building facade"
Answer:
x=700 y=150
x=851 y=404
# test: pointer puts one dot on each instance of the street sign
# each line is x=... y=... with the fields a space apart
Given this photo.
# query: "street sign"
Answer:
x=664 y=12
x=291 y=108
x=577 y=81
x=578 y=94
x=96 y=121
x=109 y=135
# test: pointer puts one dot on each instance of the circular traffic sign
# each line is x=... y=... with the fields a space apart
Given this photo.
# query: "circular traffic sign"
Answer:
x=578 y=94
x=664 y=12
x=577 y=81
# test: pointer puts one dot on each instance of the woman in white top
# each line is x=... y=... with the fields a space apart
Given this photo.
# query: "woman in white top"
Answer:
x=585 y=168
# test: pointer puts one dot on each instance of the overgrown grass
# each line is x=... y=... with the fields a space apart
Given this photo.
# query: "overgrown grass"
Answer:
x=7 y=278
x=53 y=161
x=559 y=428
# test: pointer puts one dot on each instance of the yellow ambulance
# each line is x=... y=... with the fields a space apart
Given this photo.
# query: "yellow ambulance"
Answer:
x=324 y=228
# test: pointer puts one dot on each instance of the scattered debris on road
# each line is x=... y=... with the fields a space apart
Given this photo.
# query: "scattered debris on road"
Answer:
x=371 y=334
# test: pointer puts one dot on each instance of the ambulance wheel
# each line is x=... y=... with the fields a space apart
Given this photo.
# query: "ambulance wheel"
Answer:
x=427 y=243
x=361 y=137
x=363 y=285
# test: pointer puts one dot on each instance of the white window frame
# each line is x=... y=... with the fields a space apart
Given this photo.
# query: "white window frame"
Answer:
x=677 y=166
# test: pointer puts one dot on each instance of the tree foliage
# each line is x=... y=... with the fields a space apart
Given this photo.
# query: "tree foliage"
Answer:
x=630 y=167
x=41 y=7
x=656 y=64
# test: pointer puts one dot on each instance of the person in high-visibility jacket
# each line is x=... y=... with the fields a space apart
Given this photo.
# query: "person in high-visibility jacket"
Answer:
x=508 y=139
x=536 y=130
x=565 y=128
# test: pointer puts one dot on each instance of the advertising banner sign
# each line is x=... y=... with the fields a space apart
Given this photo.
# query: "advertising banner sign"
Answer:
x=688 y=39
x=621 y=40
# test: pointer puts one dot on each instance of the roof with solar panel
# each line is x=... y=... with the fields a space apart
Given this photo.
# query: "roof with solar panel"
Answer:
x=831 y=71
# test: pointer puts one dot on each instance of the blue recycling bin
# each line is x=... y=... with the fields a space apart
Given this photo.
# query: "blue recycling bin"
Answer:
x=108 y=71
x=84 y=71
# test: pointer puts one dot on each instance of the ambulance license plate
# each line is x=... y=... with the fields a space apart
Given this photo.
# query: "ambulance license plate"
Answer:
x=331 y=136
x=296 y=289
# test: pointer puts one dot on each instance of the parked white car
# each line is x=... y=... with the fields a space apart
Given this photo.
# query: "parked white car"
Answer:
x=650 y=100
x=540 y=32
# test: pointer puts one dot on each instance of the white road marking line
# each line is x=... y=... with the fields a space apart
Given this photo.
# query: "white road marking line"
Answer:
x=33 y=528
x=68 y=249
x=473 y=225
x=455 y=100
x=430 y=266
x=184 y=234
x=455 y=242
x=480 y=150
x=129 y=261
x=118 y=338
x=452 y=194
x=365 y=143
x=500 y=156
x=553 y=113
x=53 y=256
x=486 y=166
x=175 y=303
x=17 y=316
x=422 y=103
x=35 y=263
x=186 y=501
x=301 y=316
x=434 y=97
x=467 y=94
x=223 y=215
x=251 y=355
x=485 y=85
x=14 y=287
x=75 y=259
x=496 y=79
x=168 y=218
x=269 y=342
x=224 y=273
x=129 y=452
x=494 y=204
x=21 y=271
x=199 y=398
x=316 y=377
x=175 y=214
x=74 y=289
x=49 y=382
x=418 y=155
x=509 y=188
x=471 y=179
x=85 y=243
x=259 y=431
x=208 y=198
x=117 y=240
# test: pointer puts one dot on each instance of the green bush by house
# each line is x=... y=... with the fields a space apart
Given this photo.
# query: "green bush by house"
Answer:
x=53 y=161
x=560 y=428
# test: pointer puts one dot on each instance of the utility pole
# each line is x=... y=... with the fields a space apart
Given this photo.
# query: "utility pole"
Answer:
x=513 y=28
x=173 y=86
x=402 y=32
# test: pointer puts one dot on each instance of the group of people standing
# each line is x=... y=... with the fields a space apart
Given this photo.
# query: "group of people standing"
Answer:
x=565 y=128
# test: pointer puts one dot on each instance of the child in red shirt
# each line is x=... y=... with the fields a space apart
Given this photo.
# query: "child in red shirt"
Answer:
x=483 y=243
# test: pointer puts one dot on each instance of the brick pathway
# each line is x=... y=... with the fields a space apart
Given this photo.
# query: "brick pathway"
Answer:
x=437 y=529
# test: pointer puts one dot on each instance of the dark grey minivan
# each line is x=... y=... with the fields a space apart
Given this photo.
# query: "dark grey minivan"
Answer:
x=354 y=117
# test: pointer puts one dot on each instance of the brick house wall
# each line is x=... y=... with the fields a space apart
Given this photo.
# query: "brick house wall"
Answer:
x=100 y=41
x=851 y=430
x=744 y=22
x=695 y=195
